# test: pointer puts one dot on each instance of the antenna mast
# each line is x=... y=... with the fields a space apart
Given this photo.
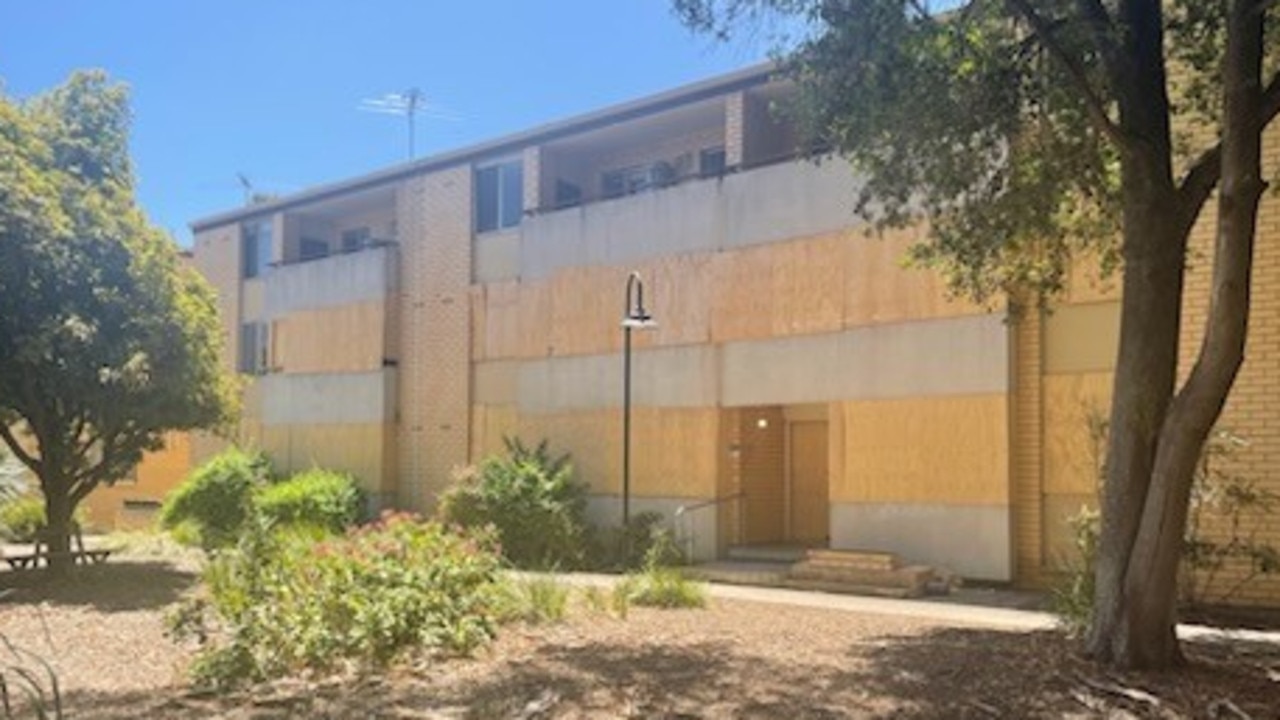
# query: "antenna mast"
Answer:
x=410 y=104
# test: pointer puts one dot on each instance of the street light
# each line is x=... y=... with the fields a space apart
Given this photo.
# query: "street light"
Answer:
x=634 y=317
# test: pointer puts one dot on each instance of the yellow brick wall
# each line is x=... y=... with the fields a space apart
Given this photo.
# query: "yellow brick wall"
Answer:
x=434 y=219
x=1026 y=448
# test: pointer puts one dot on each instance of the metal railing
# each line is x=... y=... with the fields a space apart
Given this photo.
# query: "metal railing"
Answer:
x=686 y=532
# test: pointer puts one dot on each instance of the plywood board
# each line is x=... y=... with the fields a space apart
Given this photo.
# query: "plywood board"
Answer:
x=944 y=450
x=1072 y=403
x=348 y=338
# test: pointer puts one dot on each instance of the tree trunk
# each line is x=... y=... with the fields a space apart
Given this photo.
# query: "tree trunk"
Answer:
x=1156 y=437
x=58 y=510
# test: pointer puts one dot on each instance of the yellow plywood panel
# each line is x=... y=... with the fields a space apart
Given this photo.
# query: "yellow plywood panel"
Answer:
x=673 y=451
x=1082 y=338
x=489 y=425
x=586 y=306
x=952 y=450
x=1072 y=403
x=1086 y=284
x=742 y=308
x=355 y=449
x=348 y=338
x=678 y=294
x=881 y=288
x=807 y=285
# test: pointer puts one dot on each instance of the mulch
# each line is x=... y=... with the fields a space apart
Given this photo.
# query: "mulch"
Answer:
x=103 y=634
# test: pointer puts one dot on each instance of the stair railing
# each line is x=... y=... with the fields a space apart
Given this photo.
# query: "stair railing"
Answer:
x=686 y=529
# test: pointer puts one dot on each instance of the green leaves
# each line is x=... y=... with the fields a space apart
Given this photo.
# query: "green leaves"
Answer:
x=107 y=339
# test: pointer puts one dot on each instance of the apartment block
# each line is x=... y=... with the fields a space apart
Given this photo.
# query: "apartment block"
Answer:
x=801 y=386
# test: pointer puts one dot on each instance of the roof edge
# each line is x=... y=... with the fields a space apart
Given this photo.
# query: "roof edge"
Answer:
x=610 y=114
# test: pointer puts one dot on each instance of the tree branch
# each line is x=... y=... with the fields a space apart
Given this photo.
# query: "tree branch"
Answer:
x=1202 y=177
x=7 y=435
x=1096 y=109
x=1101 y=29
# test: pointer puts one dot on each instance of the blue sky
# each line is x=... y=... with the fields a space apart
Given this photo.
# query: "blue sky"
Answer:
x=270 y=89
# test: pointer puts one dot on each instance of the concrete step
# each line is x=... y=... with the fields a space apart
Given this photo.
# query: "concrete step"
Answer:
x=865 y=559
x=913 y=578
x=738 y=572
x=768 y=553
x=850 y=589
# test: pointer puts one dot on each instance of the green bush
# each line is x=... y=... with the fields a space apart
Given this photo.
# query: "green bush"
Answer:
x=535 y=601
x=320 y=498
x=663 y=587
x=614 y=548
x=217 y=498
x=1072 y=598
x=22 y=517
x=279 y=603
x=533 y=502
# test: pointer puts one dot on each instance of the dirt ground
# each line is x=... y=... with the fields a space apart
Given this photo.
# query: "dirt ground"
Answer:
x=102 y=632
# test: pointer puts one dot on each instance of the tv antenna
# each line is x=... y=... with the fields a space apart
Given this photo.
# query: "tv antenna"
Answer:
x=409 y=104
x=246 y=186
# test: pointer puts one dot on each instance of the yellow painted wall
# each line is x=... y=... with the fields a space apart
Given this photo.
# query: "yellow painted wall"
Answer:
x=157 y=474
x=945 y=450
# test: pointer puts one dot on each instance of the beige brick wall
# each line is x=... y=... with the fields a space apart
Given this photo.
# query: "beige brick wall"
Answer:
x=1027 y=446
x=434 y=218
x=734 y=120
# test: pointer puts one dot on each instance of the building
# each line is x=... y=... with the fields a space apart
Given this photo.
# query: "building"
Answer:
x=800 y=386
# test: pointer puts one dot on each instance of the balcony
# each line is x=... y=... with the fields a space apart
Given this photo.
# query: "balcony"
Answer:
x=342 y=279
x=764 y=204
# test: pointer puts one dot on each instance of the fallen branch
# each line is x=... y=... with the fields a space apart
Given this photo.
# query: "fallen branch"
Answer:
x=1221 y=708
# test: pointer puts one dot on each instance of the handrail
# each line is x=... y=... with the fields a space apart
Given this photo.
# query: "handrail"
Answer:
x=708 y=503
x=685 y=510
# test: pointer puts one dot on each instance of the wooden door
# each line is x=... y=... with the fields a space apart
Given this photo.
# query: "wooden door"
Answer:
x=808 y=483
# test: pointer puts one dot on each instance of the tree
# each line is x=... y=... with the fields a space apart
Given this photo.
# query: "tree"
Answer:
x=1028 y=133
x=107 y=339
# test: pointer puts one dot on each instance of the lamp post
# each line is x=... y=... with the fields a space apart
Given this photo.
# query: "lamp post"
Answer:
x=634 y=317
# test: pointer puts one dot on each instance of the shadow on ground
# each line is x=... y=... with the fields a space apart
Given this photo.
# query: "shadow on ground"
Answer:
x=109 y=587
x=947 y=673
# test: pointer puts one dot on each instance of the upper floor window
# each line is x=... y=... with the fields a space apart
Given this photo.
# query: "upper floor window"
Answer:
x=257 y=248
x=499 y=196
x=711 y=161
x=355 y=239
x=255 y=348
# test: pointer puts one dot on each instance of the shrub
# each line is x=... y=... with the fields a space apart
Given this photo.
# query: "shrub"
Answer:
x=320 y=498
x=533 y=502
x=660 y=584
x=1072 y=599
x=218 y=497
x=534 y=600
x=279 y=603
x=615 y=548
x=22 y=518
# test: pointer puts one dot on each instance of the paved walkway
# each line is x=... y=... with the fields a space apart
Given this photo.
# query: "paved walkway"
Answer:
x=947 y=611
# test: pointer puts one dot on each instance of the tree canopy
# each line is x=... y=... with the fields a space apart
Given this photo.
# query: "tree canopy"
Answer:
x=107 y=338
x=1027 y=134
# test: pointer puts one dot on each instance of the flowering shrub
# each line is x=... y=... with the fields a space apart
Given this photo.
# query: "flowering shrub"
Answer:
x=280 y=603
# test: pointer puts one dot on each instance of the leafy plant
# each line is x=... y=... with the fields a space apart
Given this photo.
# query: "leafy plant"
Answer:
x=660 y=584
x=531 y=499
x=22 y=518
x=1223 y=498
x=618 y=548
x=535 y=600
x=317 y=497
x=279 y=602
x=217 y=498
x=1072 y=598
x=17 y=676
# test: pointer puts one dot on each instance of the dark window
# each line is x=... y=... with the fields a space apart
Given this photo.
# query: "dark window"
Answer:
x=355 y=239
x=255 y=343
x=567 y=194
x=613 y=184
x=711 y=162
x=257 y=248
x=499 y=196
x=312 y=249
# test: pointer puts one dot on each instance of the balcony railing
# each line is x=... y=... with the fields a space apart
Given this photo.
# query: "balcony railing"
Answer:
x=345 y=278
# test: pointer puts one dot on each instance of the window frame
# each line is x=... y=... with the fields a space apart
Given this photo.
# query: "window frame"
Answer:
x=502 y=220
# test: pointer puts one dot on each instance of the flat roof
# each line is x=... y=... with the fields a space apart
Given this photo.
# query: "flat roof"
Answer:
x=620 y=112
